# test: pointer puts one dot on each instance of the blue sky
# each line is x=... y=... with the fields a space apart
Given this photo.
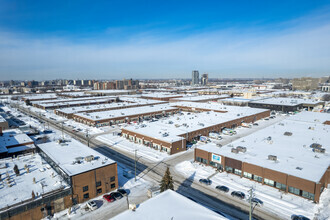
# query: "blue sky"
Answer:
x=163 y=39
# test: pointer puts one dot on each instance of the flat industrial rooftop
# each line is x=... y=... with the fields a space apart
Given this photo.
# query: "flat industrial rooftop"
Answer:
x=66 y=155
x=96 y=116
x=294 y=154
x=170 y=129
x=286 y=101
x=19 y=188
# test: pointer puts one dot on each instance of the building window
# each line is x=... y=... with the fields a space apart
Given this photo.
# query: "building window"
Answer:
x=294 y=190
x=247 y=175
x=98 y=183
x=269 y=182
x=99 y=191
x=257 y=178
x=280 y=186
x=85 y=188
x=86 y=196
x=113 y=185
x=112 y=179
x=229 y=169
x=308 y=195
x=238 y=172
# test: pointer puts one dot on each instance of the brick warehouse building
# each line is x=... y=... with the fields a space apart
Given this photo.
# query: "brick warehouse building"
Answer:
x=171 y=135
x=61 y=175
x=284 y=156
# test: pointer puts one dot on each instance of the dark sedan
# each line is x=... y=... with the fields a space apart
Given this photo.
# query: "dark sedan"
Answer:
x=238 y=194
x=222 y=188
x=205 y=181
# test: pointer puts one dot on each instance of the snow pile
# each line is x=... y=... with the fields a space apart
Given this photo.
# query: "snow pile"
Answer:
x=322 y=210
x=169 y=205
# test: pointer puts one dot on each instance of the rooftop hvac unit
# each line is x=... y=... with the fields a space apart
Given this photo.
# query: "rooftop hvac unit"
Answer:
x=319 y=150
x=288 y=133
x=234 y=150
x=272 y=157
x=165 y=134
x=78 y=159
x=89 y=158
x=315 y=145
x=241 y=149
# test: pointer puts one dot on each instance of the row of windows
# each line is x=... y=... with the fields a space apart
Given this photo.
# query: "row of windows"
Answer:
x=99 y=183
x=257 y=178
x=201 y=160
x=300 y=192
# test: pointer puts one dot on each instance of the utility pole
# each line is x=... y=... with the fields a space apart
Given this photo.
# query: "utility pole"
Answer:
x=250 y=201
x=135 y=163
x=62 y=131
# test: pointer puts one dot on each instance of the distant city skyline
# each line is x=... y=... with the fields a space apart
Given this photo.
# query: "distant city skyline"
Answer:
x=43 y=40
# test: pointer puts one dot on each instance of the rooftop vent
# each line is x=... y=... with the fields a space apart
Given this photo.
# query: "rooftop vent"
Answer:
x=315 y=145
x=288 y=133
x=89 y=158
x=269 y=138
x=272 y=157
x=234 y=150
x=241 y=149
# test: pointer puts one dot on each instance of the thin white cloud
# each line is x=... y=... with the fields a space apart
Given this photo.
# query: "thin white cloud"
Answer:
x=293 y=51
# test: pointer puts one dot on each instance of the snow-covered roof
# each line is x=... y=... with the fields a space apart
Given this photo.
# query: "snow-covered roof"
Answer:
x=199 y=98
x=214 y=106
x=96 y=116
x=170 y=129
x=59 y=104
x=294 y=154
x=169 y=205
x=21 y=186
x=161 y=95
x=109 y=91
x=13 y=137
x=66 y=156
x=135 y=99
x=286 y=101
x=66 y=100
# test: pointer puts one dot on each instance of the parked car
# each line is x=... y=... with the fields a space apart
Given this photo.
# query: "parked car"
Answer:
x=255 y=124
x=109 y=198
x=116 y=195
x=122 y=191
x=257 y=201
x=299 y=217
x=222 y=188
x=205 y=181
x=238 y=194
x=91 y=205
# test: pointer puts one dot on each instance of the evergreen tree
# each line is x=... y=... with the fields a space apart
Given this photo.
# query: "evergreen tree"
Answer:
x=16 y=170
x=167 y=181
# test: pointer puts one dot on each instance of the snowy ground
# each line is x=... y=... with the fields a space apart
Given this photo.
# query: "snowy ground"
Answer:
x=142 y=150
x=274 y=200
x=137 y=194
